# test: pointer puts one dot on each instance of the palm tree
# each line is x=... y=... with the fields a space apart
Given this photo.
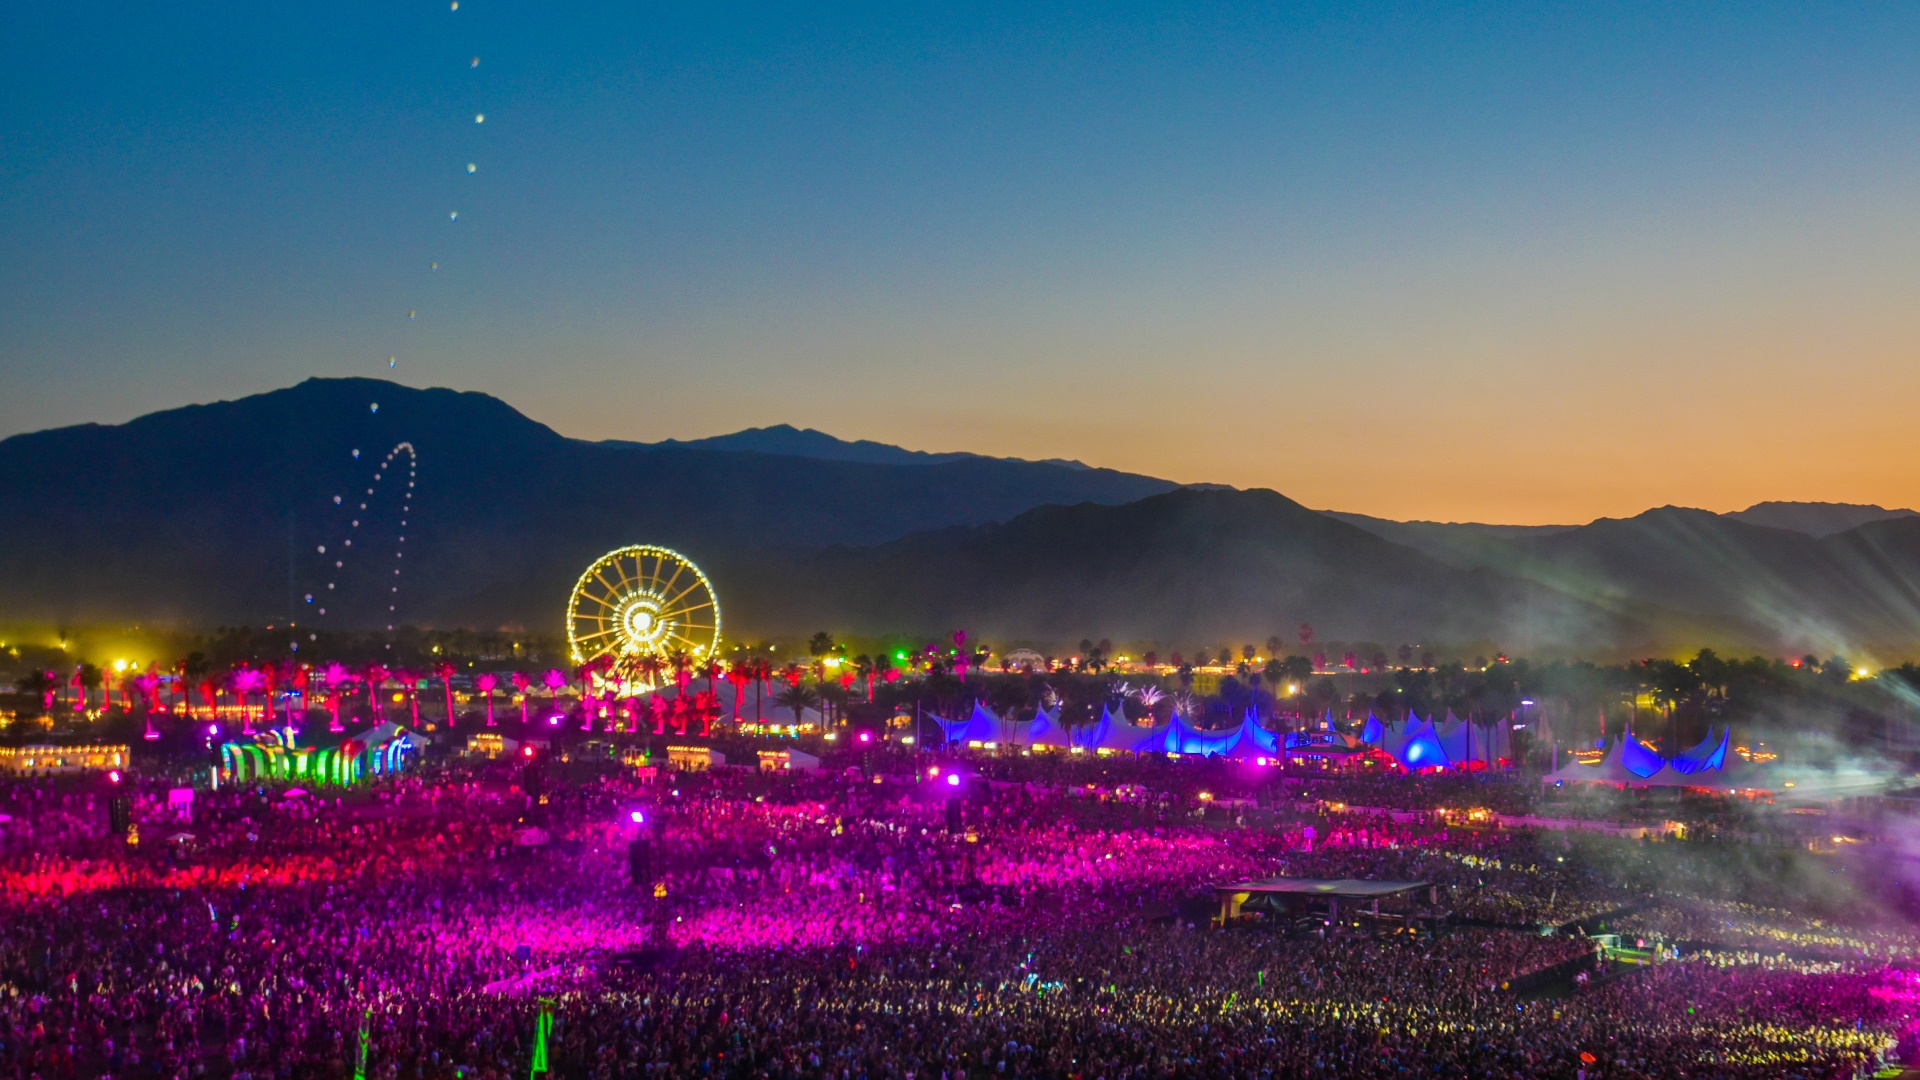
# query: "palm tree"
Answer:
x=300 y=676
x=410 y=684
x=336 y=676
x=245 y=680
x=797 y=696
x=1149 y=697
x=193 y=672
x=740 y=675
x=444 y=672
x=148 y=683
x=42 y=684
x=485 y=682
x=88 y=678
x=375 y=676
x=651 y=666
x=762 y=670
x=520 y=686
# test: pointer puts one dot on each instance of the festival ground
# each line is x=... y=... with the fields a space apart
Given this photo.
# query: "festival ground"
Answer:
x=828 y=925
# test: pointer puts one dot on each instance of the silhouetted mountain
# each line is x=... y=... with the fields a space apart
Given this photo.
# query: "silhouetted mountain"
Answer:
x=1463 y=544
x=1790 y=589
x=214 y=513
x=1813 y=518
x=1185 y=567
x=790 y=441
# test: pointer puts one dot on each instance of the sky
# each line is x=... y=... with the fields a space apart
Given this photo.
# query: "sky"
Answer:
x=1528 y=264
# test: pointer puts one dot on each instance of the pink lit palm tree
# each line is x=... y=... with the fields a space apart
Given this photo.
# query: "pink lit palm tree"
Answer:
x=244 y=681
x=410 y=686
x=375 y=676
x=148 y=683
x=739 y=675
x=521 y=684
x=300 y=676
x=589 y=695
x=555 y=681
x=336 y=676
x=444 y=672
x=485 y=682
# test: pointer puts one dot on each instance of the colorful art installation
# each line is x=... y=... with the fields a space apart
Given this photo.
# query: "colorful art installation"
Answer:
x=274 y=757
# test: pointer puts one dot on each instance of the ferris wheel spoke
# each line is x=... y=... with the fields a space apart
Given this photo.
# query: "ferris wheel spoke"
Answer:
x=612 y=589
x=687 y=609
x=677 y=597
x=667 y=585
x=608 y=602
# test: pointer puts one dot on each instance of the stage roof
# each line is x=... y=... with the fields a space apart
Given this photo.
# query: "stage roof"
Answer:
x=1345 y=888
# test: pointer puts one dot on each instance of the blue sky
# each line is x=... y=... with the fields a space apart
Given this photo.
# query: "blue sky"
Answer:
x=1519 y=263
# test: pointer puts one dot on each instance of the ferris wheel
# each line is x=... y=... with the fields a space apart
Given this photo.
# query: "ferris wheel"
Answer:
x=642 y=599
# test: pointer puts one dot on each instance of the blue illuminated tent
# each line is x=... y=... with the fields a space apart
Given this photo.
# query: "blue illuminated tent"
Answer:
x=1045 y=731
x=1373 y=732
x=1709 y=755
x=1422 y=748
x=1637 y=757
x=1251 y=731
x=979 y=728
x=1182 y=739
x=1115 y=733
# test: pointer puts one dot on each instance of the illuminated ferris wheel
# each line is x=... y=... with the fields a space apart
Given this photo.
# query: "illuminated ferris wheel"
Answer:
x=642 y=599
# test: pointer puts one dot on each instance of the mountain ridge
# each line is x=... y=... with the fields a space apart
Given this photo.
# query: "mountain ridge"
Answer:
x=214 y=513
x=789 y=441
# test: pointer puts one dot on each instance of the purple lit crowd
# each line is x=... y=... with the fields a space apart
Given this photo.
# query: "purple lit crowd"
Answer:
x=834 y=925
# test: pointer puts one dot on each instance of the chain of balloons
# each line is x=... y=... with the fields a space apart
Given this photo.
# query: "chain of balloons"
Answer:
x=331 y=594
x=344 y=546
x=453 y=214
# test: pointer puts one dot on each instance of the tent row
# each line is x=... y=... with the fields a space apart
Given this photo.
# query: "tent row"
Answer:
x=1113 y=733
x=1632 y=763
x=1453 y=744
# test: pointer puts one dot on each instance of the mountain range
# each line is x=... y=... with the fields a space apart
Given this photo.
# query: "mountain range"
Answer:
x=217 y=513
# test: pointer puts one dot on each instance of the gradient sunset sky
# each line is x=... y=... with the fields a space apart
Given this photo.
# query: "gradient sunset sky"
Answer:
x=1520 y=264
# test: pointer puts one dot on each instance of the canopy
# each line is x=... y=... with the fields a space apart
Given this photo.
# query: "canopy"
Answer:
x=1045 y=730
x=1708 y=755
x=980 y=727
x=1373 y=732
x=1422 y=749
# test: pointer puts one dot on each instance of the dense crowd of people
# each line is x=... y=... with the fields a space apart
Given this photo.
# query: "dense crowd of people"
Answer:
x=850 y=925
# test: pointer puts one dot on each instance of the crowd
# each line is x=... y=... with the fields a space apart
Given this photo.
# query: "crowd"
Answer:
x=835 y=925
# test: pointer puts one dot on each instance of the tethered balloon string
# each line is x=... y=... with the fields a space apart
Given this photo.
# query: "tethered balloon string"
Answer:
x=335 y=574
